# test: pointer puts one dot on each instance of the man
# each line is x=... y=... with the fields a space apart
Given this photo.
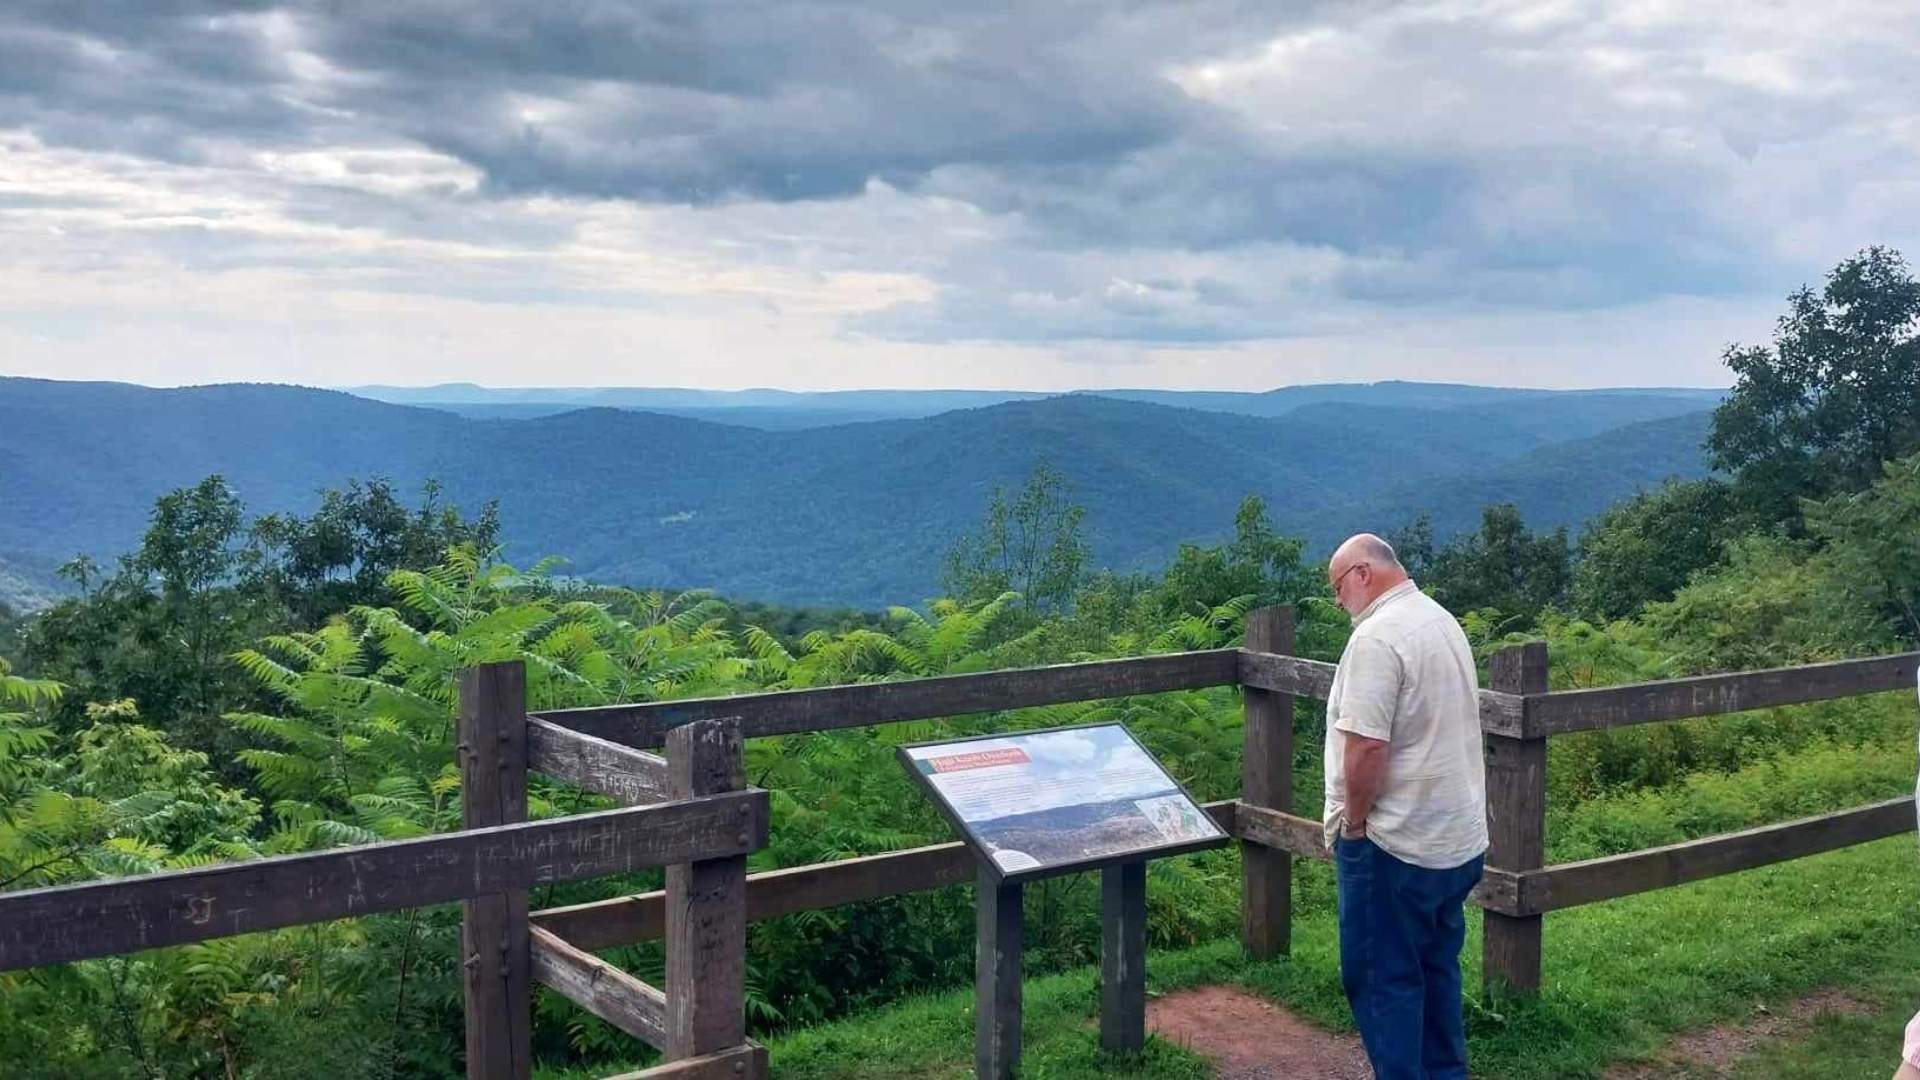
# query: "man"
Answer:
x=1406 y=812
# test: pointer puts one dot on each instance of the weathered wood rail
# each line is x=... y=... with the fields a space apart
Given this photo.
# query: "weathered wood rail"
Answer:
x=691 y=812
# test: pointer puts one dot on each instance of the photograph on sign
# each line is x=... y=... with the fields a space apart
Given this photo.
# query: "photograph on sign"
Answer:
x=1046 y=800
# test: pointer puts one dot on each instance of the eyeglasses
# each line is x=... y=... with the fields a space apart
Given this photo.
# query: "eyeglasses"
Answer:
x=1343 y=576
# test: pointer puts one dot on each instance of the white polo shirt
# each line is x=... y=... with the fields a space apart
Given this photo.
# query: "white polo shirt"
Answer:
x=1407 y=677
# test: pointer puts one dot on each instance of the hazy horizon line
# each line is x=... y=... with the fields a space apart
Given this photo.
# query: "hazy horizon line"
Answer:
x=503 y=388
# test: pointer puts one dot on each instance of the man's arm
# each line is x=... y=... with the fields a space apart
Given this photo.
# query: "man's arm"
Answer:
x=1368 y=700
x=1366 y=767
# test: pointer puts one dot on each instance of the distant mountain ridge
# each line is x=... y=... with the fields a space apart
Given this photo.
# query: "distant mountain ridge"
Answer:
x=789 y=409
x=856 y=513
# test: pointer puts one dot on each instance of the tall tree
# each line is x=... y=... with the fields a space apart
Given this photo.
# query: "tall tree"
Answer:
x=1413 y=543
x=160 y=628
x=1645 y=548
x=342 y=553
x=1503 y=566
x=1258 y=562
x=1030 y=545
x=1834 y=396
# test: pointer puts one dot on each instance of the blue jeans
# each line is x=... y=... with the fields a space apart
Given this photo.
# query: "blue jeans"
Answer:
x=1401 y=928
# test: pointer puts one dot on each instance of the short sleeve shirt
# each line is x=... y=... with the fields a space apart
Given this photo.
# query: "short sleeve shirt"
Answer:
x=1407 y=678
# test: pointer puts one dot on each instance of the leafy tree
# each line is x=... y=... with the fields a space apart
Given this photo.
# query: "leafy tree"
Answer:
x=1503 y=566
x=1645 y=548
x=159 y=630
x=342 y=554
x=1834 y=396
x=1109 y=614
x=1031 y=546
x=194 y=539
x=1771 y=605
x=1258 y=563
x=1850 y=587
x=1872 y=545
x=1202 y=596
x=1413 y=543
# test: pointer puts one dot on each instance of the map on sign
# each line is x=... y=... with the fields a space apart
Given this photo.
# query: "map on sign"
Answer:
x=1042 y=802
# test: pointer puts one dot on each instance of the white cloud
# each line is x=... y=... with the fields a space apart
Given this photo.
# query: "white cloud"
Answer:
x=1065 y=748
x=1209 y=194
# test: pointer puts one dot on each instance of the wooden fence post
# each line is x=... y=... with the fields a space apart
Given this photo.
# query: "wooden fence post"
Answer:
x=706 y=904
x=494 y=946
x=997 y=960
x=1516 y=824
x=1266 y=779
x=1123 y=958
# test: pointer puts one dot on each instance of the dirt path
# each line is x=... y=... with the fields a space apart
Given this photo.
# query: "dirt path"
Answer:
x=1248 y=1038
x=1714 y=1051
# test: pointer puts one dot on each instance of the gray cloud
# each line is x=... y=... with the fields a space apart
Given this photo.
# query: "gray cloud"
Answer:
x=783 y=101
x=1161 y=172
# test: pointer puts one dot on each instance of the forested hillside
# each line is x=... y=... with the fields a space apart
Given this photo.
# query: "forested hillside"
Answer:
x=846 y=514
x=1564 y=483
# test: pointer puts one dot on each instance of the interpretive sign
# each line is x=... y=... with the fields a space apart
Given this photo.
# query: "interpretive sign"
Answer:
x=1038 y=803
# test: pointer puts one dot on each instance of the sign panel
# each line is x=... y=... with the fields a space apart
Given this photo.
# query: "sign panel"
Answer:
x=1045 y=802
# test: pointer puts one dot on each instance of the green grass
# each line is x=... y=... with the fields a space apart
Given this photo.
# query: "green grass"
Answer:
x=1624 y=976
x=1843 y=1047
x=932 y=1037
x=1620 y=979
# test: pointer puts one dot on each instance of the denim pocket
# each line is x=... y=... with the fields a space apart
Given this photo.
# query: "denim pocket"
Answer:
x=1350 y=849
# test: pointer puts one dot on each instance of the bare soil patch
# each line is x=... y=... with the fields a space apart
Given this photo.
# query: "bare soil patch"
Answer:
x=1248 y=1038
x=1714 y=1051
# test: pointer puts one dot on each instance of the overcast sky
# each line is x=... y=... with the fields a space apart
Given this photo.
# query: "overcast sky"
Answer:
x=1042 y=195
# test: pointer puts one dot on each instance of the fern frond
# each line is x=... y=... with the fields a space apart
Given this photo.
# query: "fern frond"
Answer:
x=268 y=672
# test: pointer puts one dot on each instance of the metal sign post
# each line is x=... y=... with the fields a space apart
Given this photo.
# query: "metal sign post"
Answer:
x=1036 y=804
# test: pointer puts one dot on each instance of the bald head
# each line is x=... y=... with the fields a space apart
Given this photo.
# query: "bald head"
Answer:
x=1369 y=547
x=1362 y=568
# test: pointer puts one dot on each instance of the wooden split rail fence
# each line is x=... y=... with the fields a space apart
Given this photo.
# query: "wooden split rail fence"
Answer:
x=691 y=812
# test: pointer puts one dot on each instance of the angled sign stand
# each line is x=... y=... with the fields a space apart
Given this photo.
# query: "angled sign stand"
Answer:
x=1035 y=804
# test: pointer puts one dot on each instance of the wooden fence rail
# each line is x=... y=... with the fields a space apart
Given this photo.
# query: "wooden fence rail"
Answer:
x=102 y=918
x=791 y=712
x=628 y=920
x=1568 y=711
x=691 y=812
x=592 y=764
x=1566 y=885
x=1563 y=712
x=600 y=988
